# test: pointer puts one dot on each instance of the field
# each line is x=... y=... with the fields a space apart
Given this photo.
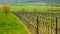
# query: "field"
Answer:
x=16 y=23
x=30 y=8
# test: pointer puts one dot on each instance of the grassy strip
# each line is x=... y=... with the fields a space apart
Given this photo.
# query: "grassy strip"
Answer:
x=10 y=25
x=21 y=23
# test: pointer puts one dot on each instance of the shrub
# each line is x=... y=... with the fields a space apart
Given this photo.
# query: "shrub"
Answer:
x=23 y=10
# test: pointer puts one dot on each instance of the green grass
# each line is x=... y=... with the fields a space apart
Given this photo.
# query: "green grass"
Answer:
x=10 y=25
x=29 y=8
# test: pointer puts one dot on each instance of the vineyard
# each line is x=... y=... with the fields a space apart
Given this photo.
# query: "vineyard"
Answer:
x=47 y=22
x=29 y=19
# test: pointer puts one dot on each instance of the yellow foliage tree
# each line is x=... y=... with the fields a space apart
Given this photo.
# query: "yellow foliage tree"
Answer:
x=5 y=8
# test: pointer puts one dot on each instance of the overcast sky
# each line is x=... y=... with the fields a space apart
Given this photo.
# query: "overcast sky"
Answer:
x=46 y=1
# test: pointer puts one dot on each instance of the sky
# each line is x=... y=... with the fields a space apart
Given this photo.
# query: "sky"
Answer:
x=45 y=1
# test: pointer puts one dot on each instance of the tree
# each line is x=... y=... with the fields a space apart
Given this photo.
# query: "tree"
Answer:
x=5 y=8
